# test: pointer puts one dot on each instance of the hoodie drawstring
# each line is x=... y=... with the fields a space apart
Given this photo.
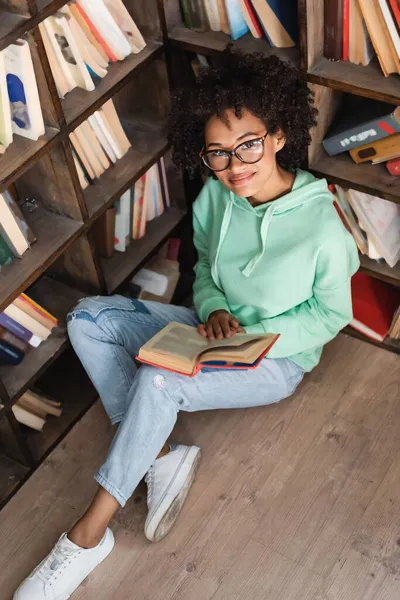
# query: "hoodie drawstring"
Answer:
x=253 y=262
x=224 y=228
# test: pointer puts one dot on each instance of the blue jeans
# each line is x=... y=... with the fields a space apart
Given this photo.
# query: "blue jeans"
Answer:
x=106 y=333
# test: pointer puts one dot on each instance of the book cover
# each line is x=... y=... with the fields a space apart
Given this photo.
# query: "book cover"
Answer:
x=88 y=150
x=377 y=151
x=27 y=321
x=87 y=167
x=62 y=83
x=194 y=15
x=181 y=349
x=9 y=354
x=6 y=256
x=139 y=209
x=346 y=29
x=275 y=19
x=100 y=39
x=17 y=329
x=366 y=120
x=70 y=52
x=395 y=7
x=213 y=16
x=286 y=13
x=91 y=138
x=361 y=50
x=123 y=222
x=163 y=183
x=13 y=227
x=82 y=175
x=379 y=36
x=6 y=134
x=37 y=312
x=13 y=340
x=100 y=16
x=381 y=220
x=25 y=417
x=237 y=23
x=97 y=124
x=83 y=24
x=105 y=127
x=391 y=29
x=374 y=305
x=26 y=113
x=113 y=124
x=127 y=25
x=333 y=29
x=251 y=18
x=223 y=15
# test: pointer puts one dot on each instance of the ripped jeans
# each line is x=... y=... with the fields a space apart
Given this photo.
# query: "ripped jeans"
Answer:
x=106 y=333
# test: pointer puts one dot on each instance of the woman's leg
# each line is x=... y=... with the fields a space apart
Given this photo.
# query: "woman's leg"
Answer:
x=106 y=334
x=156 y=396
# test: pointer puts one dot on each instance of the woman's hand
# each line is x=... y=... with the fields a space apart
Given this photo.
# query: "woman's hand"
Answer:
x=220 y=324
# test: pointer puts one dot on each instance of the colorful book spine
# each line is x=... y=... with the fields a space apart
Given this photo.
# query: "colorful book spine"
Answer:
x=9 y=354
x=19 y=330
x=6 y=256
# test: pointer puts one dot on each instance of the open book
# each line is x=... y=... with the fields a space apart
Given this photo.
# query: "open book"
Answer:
x=180 y=348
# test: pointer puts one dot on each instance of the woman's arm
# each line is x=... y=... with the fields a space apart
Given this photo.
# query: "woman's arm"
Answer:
x=207 y=296
x=319 y=319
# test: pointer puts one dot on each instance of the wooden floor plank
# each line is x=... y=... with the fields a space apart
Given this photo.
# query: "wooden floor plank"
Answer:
x=292 y=501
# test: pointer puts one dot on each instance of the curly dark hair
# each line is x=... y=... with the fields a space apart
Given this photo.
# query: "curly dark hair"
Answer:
x=269 y=88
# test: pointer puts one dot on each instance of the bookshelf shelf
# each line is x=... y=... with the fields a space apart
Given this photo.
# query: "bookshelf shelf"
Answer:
x=120 y=266
x=12 y=26
x=381 y=270
x=120 y=176
x=58 y=299
x=372 y=179
x=214 y=42
x=79 y=104
x=22 y=153
x=392 y=346
x=365 y=81
x=54 y=233
x=76 y=394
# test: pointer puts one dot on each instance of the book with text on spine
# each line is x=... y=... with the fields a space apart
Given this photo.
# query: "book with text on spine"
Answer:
x=181 y=349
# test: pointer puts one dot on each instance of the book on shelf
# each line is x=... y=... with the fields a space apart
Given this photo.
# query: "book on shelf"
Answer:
x=14 y=229
x=367 y=120
x=122 y=222
x=381 y=220
x=394 y=331
x=6 y=256
x=350 y=219
x=26 y=113
x=273 y=19
x=31 y=409
x=377 y=151
x=158 y=279
x=13 y=340
x=6 y=132
x=180 y=348
x=27 y=321
x=19 y=330
x=374 y=306
x=380 y=36
x=97 y=143
x=83 y=37
x=9 y=354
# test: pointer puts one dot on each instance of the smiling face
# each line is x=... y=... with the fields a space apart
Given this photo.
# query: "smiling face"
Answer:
x=246 y=180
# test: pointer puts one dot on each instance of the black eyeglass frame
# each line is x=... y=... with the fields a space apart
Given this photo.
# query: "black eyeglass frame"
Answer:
x=203 y=153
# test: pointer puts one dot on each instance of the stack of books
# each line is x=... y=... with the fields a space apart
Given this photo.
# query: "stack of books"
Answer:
x=158 y=279
x=126 y=221
x=373 y=222
x=370 y=131
x=276 y=20
x=83 y=37
x=97 y=143
x=15 y=233
x=32 y=409
x=24 y=325
x=356 y=30
x=20 y=111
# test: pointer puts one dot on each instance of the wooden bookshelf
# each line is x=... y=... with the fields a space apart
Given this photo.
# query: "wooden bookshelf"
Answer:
x=63 y=265
x=381 y=270
x=62 y=222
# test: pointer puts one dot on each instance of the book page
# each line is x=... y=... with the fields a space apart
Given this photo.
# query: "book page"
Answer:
x=181 y=341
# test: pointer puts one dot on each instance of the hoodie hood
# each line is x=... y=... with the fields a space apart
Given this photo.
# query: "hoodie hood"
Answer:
x=305 y=189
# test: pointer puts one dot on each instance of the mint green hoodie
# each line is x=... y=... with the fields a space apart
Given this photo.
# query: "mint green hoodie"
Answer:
x=280 y=267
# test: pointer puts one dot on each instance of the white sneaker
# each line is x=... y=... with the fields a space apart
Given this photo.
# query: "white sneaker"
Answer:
x=168 y=483
x=63 y=570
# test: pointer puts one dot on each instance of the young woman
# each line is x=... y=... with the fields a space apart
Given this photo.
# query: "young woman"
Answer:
x=273 y=256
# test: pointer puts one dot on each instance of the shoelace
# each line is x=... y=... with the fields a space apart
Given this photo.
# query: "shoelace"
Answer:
x=56 y=562
x=149 y=479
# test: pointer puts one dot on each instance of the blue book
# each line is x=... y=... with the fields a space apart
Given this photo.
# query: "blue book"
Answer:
x=9 y=354
x=21 y=332
x=286 y=13
x=237 y=23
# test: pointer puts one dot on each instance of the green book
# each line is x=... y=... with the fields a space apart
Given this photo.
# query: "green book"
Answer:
x=6 y=255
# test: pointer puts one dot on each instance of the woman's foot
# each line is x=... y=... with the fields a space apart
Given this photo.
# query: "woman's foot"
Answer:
x=64 y=569
x=168 y=483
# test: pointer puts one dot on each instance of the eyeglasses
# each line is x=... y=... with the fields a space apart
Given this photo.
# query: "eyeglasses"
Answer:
x=248 y=152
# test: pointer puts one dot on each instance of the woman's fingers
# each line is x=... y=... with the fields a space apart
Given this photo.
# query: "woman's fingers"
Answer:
x=234 y=323
x=202 y=330
x=226 y=328
x=218 y=330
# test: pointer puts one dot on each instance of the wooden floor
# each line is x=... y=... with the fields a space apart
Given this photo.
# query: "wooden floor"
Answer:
x=296 y=501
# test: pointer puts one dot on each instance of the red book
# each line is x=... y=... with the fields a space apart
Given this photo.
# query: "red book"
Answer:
x=395 y=6
x=374 y=305
x=393 y=166
x=254 y=18
x=346 y=29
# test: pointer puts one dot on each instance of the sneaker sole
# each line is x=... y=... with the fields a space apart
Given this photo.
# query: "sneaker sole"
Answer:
x=168 y=518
